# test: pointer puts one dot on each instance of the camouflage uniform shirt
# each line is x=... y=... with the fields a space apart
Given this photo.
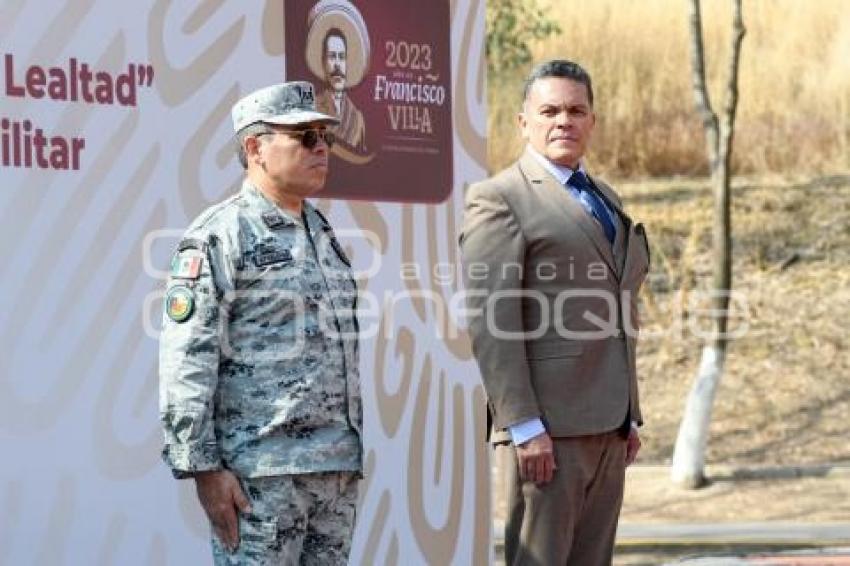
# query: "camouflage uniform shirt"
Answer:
x=259 y=351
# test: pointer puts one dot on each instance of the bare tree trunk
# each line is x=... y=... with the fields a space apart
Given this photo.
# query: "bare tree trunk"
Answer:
x=688 y=467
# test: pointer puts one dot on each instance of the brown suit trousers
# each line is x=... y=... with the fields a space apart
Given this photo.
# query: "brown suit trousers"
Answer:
x=572 y=520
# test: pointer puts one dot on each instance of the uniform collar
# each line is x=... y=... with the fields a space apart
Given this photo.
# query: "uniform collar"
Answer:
x=273 y=216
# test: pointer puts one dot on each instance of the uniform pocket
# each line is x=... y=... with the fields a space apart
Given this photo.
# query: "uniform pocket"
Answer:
x=269 y=276
x=259 y=536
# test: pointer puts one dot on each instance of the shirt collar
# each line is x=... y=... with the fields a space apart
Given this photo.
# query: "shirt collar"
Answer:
x=561 y=172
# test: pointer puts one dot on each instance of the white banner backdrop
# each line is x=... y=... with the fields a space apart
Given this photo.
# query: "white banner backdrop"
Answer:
x=115 y=134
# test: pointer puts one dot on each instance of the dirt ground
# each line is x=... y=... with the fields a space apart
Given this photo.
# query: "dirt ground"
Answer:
x=784 y=398
x=735 y=495
x=816 y=495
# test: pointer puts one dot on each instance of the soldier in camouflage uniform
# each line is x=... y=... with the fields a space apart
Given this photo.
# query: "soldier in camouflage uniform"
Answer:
x=259 y=386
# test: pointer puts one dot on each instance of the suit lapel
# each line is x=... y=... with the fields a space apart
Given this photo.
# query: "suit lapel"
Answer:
x=544 y=183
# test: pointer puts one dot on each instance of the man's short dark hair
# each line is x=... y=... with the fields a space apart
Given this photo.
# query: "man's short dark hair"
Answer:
x=331 y=33
x=251 y=130
x=560 y=68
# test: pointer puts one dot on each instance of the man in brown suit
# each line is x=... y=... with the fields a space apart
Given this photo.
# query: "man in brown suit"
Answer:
x=552 y=265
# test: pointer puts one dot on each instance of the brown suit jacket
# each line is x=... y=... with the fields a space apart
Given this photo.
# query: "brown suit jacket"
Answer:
x=564 y=352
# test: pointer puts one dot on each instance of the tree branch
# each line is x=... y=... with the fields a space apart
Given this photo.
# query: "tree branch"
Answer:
x=703 y=102
x=731 y=106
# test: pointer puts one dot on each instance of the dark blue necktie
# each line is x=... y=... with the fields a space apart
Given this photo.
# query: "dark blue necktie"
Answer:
x=589 y=195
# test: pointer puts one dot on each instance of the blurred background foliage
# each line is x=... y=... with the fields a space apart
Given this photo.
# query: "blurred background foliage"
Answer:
x=794 y=111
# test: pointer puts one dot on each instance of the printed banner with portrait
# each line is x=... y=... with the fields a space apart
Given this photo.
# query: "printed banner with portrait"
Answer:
x=384 y=70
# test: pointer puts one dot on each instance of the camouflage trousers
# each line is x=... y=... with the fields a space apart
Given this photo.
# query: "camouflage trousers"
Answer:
x=295 y=520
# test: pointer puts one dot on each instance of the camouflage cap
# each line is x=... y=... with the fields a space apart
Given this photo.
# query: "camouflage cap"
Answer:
x=289 y=104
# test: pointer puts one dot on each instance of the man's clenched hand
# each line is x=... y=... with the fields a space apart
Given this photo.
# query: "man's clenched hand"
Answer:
x=536 y=459
x=221 y=497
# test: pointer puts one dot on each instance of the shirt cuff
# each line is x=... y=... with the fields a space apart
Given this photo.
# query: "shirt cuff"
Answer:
x=185 y=460
x=526 y=430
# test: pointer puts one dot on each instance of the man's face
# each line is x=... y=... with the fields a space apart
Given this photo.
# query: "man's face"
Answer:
x=290 y=166
x=335 y=56
x=557 y=120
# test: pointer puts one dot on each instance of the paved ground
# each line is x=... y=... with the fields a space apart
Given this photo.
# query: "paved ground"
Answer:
x=763 y=533
x=826 y=557
x=738 y=557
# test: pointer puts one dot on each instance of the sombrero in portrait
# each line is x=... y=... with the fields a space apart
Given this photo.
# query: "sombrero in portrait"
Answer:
x=344 y=16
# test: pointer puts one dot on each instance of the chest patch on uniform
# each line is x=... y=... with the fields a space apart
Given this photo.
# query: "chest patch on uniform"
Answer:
x=180 y=303
x=186 y=267
x=275 y=221
x=267 y=256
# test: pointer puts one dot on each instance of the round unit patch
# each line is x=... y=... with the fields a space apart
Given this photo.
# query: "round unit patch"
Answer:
x=179 y=303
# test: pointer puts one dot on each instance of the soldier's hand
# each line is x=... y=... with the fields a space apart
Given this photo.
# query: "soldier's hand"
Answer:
x=536 y=459
x=221 y=497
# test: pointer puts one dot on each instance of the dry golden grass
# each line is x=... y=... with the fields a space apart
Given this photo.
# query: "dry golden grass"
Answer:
x=794 y=110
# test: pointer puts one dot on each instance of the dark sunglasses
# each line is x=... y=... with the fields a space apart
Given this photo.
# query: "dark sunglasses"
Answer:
x=309 y=138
